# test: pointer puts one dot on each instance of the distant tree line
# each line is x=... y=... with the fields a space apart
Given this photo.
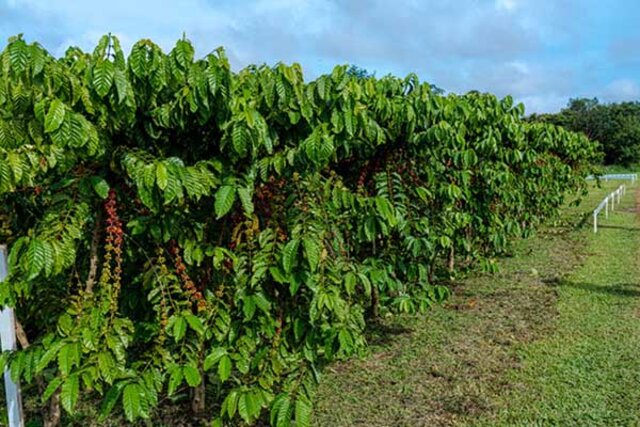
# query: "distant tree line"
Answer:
x=615 y=126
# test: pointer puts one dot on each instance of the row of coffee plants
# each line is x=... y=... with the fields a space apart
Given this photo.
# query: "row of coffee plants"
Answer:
x=184 y=236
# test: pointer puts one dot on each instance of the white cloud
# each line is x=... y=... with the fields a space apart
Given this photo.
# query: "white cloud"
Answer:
x=532 y=49
x=544 y=103
x=622 y=90
x=508 y=5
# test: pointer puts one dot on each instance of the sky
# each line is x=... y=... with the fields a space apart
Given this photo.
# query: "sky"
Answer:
x=542 y=52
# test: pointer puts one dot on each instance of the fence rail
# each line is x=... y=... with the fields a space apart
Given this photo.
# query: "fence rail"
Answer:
x=611 y=200
x=633 y=177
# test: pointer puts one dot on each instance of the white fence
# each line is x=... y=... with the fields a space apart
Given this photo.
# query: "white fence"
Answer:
x=609 y=201
x=633 y=177
x=8 y=340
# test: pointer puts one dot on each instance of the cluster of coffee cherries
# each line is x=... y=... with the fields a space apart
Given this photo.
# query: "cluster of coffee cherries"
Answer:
x=367 y=171
x=189 y=287
x=269 y=196
x=113 y=250
x=408 y=169
x=163 y=312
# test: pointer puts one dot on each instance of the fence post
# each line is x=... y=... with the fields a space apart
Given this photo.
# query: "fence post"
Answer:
x=606 y=207
x=8 y=343
x=613 y=201
x=595 y=222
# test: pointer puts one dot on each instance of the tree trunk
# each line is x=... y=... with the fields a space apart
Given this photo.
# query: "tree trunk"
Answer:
x=452 y=260
x=198 y=398
x=198 y=401
x=53 y=414
x=375 y=302
x=375 y=296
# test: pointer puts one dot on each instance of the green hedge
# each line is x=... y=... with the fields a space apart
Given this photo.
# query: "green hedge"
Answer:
x=181 y=234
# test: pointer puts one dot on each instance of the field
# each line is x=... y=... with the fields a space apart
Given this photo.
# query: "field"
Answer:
x=552 y=339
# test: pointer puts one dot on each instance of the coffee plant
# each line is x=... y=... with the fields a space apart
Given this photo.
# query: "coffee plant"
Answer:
x=181 y=234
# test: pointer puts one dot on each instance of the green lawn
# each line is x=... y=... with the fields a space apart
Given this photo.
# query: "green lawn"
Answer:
x=554 y=339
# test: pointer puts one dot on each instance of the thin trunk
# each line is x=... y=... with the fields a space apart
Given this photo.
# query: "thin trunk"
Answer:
x=51 y=413
x=375 y=302
x=198 y=398
x=452 y=260
x=375 y=296
x=21 y=335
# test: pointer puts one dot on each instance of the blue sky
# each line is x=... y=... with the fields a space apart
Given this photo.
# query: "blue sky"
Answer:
x=542 y=52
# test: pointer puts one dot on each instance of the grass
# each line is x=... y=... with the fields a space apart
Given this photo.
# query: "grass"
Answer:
x=553 y=339
x=588 y=371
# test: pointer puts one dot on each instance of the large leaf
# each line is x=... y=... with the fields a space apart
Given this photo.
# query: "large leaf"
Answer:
x=18 y=55
x=245 y=198
x=312 y=251
x=191 y=375
x=303 y=412
x=103 y=74
x=289 y=255
x=70 y=392
x=55 y=116
x=36 y=258
x=132 y=401
x=162 y=175
x=225 y=196
x=110 y=400
x=224 y=368
x=214 y=357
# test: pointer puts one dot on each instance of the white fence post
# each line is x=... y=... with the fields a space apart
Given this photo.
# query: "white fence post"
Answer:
x=8 y=342
x=614 y=197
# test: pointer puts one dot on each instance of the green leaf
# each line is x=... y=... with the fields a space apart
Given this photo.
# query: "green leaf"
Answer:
x=162 y=175
x=70 y=392
x=312 y=252
x=303 y=413
x=195 y=323
x=225 y=196
x=245 y=198
x=284 y=413
x=103 y=73
x=176 y=375
x=67 y=358
x=289 y=254
x=192 y=375
x=239 y=139
x=48 y=356
x=184 y=52
x=247 y=407
x=179 y=328
x=224 y=368
x=230 y=403
x=18 y=55
x=55 y=116
x=110 y=400
x=36 y=257
x=131 y=401
x=51 y=388
x=120 y=79
x=100 y=186
x=214 y=357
